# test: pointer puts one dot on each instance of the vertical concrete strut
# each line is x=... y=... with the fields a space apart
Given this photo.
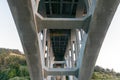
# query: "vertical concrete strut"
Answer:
x=23 y=15
x=44 y=47
x=73 y=40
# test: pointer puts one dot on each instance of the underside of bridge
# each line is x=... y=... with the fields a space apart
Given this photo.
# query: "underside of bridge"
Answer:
x=62 y=38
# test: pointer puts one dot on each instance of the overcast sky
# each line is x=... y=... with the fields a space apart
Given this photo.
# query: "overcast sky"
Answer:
x=109 y=56
x=110 y=52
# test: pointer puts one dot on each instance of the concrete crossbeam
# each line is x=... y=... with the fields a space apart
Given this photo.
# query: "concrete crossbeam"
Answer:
x=60 y=23
x=59 y=62
x=60 y=71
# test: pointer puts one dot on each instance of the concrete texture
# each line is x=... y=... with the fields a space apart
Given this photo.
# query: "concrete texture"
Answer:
x=100 y=22
x=22 y=12
x=29 y=23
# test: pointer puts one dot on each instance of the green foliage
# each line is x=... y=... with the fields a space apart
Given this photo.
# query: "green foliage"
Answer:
x=3 y=50
x=4 y=75
x=6 y=60
x=99 y=75
x=24 y=71
x=118 y=75
x=13 y=59
x=13 y=65
x=20 y=78
x=11 y=73
x=105 y=74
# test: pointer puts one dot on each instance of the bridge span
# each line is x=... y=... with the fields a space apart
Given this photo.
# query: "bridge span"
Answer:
x=62 y=38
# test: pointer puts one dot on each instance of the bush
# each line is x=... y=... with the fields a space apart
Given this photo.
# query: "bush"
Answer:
x=10 y=65
x=4 y=75
x=20 y=78
x=24 y=71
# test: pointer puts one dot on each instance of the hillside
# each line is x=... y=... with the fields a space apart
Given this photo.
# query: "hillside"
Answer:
x=13 y=67
x=4 y=50
x=105 y=74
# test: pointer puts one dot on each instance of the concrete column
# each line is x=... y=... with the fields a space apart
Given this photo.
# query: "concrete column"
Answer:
x=70 y=77
x=51 y=65
x=43 y=46
x=44 y=39
x=51 y=56
x=76 y=52
x=48 y=49
x=81 y=37
x=70 y=59
x=73 y=40
x=77 y=43
x=72 y=52
x=24 y=17
x=48 y=60
x=99 y=25
x=48 y=77
x=67 y=61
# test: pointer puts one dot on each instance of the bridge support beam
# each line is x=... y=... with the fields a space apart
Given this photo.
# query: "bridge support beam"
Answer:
x=100 y=22
x=28 y=21
x=60 y=71
x=23 y=15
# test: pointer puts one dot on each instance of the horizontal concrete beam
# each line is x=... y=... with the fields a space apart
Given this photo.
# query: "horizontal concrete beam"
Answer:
x=60 y=23
x=60 y=71
x=59 y=62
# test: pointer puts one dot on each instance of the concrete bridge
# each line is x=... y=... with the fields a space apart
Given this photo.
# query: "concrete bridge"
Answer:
x=62 y=38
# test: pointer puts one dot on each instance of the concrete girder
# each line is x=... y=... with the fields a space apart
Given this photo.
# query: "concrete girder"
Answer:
x=60 y=71
x=23 y=15
x=59 y=62
x=100 y=22
x=61 y=23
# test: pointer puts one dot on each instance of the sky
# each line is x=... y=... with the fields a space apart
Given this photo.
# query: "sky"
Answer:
x=109 y=56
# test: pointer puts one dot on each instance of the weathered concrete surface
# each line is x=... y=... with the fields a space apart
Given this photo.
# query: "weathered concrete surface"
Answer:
x=61 y=23
x=23 y=15
x=24 y=18
x=100 y=22
x=60 y=71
